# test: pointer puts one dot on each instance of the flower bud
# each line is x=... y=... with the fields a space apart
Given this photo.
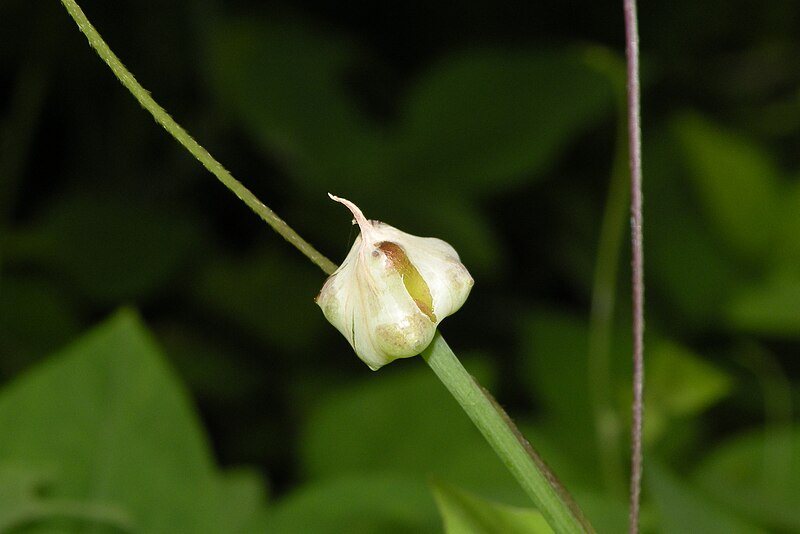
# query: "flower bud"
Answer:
x=392 y=290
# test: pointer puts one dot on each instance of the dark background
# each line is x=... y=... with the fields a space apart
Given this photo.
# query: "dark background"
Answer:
x=493 y=125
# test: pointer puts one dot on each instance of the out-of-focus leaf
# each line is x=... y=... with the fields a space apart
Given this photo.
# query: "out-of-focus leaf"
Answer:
x=464 y=513
x=402 y=419
x=24 y=504
x=787 y=250
x=243 y=495
x=112 y=249
x=548 y=440
x=285 y=82
x=682 y=509
x=34 y=319
x=679 y=384
x=611 y=65
x=483 y=120
x=690 y=273
x=110 y=420
x=384 y=503
x=554 y=348
x=487 y=119
x=757 y=473
x=737 y=184
x=582 y=480
x=265 y=294
x=606 y=514
x=769 y=308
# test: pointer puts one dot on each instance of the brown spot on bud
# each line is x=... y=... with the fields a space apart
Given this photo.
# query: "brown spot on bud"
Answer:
x=412 y=280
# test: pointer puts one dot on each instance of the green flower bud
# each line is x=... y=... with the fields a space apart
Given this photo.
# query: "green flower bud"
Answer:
x=392 y=290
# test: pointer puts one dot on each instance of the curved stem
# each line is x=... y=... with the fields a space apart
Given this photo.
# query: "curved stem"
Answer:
x=175 y=130
x=552 y=500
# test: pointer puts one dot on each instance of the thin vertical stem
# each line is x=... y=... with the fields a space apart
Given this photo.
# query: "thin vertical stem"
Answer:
x=637 y=259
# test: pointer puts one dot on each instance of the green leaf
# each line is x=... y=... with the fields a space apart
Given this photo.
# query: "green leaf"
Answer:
x=606 y=513
x=109 y=419
x=678 y=384
x=771 y=307
x=488 y=119
x=285 y=82
x=757 y=473
x=464 y=513
x=404 y=420
x=554 y=348
x=683 y=509
x=384 y=503
x=483 y=119
x=736 y=182
x=112 y=249
x=242 y=495
x=787 y=251
x=691 y=273
x=548 y=439
x=24 y=503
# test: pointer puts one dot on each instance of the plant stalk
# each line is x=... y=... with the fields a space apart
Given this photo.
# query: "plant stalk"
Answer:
x=536 y=479
x=637 y=259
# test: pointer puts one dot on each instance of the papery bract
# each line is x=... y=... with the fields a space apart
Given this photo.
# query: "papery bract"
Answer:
x=392 y=290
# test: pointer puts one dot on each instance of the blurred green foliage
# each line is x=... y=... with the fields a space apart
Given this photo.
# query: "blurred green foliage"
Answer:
x=494 y=128
x=107 y=424
x=464 y=513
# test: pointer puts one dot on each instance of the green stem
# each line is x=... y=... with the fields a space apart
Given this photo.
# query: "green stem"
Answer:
x=180 y=135
x=501 y=433
x=533 y=475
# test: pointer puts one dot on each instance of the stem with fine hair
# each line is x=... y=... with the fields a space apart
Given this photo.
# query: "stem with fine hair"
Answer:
x=536 y=479
x=553 y=501
x=637 y=259
x=175 y=130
